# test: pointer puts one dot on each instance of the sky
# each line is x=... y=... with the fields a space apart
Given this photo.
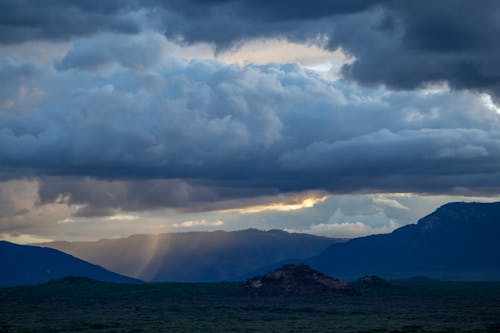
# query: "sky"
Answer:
x=337 y=118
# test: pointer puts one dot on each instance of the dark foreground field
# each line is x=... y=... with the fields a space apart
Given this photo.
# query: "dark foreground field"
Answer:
x=79 y=305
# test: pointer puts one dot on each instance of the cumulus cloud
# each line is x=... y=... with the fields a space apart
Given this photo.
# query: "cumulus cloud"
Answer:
x=254 y=128
x=403 y=45
x=379 y=214
x=137 y=52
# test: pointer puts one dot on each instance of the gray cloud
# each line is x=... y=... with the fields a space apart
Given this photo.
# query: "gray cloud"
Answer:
x=223 y=131
x=98 y=197
x=409 y=45
x=136 y=52
x=27 y=20
x=402 y=45
x=115 y=124
x=21 y=208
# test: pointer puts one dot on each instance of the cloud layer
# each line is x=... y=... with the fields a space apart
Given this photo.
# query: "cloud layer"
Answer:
x=112 y=108
x=402 y=45
x=277 y=126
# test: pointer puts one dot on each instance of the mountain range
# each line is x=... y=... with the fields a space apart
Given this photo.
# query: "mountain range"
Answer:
x=459 y=241
x=24 y=264
x=197 y=256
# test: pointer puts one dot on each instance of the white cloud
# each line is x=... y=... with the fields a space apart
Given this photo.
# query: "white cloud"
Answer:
x=198 y=223
x=289 y=203
x=381 y=199
x=345 y=229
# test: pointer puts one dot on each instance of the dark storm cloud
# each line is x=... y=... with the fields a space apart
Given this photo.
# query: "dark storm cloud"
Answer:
x=270 y=9
x=59 y=19
x=25 y=20
x=99 y=197
x=115 y=125
x=223 y=128
x=415 y=43
x=402 y=44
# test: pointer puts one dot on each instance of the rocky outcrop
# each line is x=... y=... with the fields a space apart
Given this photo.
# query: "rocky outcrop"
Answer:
x=296 y=280
x=370 y=282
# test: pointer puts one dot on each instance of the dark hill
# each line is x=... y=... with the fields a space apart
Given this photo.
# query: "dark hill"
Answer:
x=370 y=282
x=23 y=264
x=196 y=256
x=459 y=241
x=295 y=280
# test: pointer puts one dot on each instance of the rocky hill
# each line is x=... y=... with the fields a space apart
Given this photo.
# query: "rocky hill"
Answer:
x=296 y=280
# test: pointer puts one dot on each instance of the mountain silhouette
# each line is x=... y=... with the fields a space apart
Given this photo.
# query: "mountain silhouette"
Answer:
x=24 y=264
x=196 y=256
x=459 y=241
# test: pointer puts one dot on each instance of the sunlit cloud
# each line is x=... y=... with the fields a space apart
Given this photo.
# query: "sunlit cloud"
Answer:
x=24 y=238
x=383 y=200
x=488 y=102
x=300 y=203
x=197 y=223
x=270 y=50
x=122 y=217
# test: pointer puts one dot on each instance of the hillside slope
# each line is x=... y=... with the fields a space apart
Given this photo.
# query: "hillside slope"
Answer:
x=24 y=264
x=457 y=241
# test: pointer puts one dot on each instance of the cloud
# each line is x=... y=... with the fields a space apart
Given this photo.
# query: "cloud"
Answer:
x=265 y=51
x=100 y=116
x=59 y=19
x=99 y=197
x=355 y=209
x=408 y=45
x=402 y=45
x=287 y=203
x=137 y=52
x=120 y=134
x=348 y=226
x=21 y=209
x=198 y=223
x=344 y=230
x=406 y=153
x=208 y=129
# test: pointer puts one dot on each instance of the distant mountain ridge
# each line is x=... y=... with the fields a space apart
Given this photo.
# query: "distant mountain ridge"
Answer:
x=459 y=241
x=196 y=256
x=25 y=264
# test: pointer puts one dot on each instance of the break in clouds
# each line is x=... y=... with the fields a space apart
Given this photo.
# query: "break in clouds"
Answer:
x=100 y=113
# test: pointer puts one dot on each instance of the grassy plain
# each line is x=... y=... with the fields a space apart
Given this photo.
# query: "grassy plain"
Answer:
x=80 y=305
